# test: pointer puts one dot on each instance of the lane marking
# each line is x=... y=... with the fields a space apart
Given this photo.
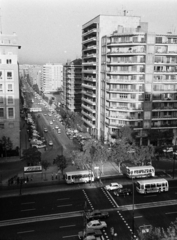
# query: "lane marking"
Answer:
x=27 y=203
x=67 y=226
x=25 y=232
x=69 y=236
x=65 y=205
x=32 y=209
x=171 y=213
x=62 y=199
x=138 y=216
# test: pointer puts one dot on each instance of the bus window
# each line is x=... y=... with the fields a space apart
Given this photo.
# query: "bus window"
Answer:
x=153 y=185
x=147 y=186
x=158 y=184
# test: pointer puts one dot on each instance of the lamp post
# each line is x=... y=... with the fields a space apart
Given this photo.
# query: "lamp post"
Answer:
x=133 y=201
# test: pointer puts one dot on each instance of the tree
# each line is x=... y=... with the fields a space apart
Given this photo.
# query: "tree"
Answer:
x=61 y=162
x=36 y=88
x=45 y=165
x=32 y=156
x=6 y=144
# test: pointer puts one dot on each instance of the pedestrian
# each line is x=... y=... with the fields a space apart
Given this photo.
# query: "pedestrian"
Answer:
x=56 y=175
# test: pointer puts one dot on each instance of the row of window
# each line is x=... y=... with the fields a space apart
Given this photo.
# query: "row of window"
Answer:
x=10 y=125
x=9 y=100
x=9 y=87
x=7 y=75
x=10 y=113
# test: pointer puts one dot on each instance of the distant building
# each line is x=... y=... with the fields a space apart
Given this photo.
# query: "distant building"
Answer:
x=72 y=85
x=9 y=89
x=52 y=77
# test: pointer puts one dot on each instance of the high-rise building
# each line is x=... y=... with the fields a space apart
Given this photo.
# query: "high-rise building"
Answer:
x=136 y=79
x=52 y=77
x=92 y=33
x=9 y=89
x=72 y=85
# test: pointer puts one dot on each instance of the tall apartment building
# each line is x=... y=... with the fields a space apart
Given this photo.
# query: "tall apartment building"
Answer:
x=136 y=81
x=72 y=85
x=92 y=33
x=52 y=77
x=9 y=89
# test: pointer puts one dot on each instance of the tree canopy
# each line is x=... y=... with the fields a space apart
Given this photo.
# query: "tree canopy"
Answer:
x=32 y=156
x=61 y=162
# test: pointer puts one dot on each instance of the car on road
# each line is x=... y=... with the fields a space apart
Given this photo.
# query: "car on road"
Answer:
x=38 y=146
x=96 y=224
x=50 y=114
x=89 y=232
x=57 y=127
x=45 y=130
x=51 y=122
x=122 y=192
x=50 y=143
x=96 y=215
x=113 y=186
x=59 y=131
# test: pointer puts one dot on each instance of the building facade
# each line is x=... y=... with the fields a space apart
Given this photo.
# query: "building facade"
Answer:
x=72 y=85
x=9 y=89
x=139 y=81
x=92 y=33
x=52 y=77
x=129 y=77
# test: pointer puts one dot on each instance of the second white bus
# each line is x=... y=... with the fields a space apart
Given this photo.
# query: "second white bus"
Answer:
x=80 y=176
x=140 y=171
x=152 y=185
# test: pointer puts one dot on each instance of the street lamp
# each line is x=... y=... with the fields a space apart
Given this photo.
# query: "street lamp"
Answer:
x=133 y=201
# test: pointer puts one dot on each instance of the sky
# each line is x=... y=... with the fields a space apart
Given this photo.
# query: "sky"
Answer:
x=51 y=30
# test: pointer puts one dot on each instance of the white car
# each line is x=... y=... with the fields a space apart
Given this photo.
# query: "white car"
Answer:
x=38 y=146
x=57 y=127
x=59 y=131
x=96 y=224
x=50 y=143
x=113 y=186
x=51 y=122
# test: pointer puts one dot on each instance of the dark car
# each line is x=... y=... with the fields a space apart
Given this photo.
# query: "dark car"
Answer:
x=96 y=214
x=123 y=192
x=89 y=232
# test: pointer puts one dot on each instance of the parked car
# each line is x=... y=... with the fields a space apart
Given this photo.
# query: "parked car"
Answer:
x=113 y=186
x=50 y=143
x=96 y=224
x=123 y=192
x=45 y=130
x=89 y=232
x=96 y=214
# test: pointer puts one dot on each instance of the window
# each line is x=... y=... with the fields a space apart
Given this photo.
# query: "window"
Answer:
x=1 y=87
x=10 y=113
x=9 y=75
x=8 y=61
x=10 y=100
x=1 y=75
x=1 y=112
x=1 y=99
x=10 y=87
x=123 y=96
x=1 y=125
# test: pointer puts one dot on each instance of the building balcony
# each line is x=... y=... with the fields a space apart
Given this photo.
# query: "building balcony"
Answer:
x=126 y=72
x=88 y=107
x=89 y=93
x=87 y=56
x=89 y=63
x=127 y=109
x=128 y=63
x=89 y=115
x=130 y=43
x=166 y=117
x=126 y=53
x=91 y=31
x=88 y=100
x=165 y=90
x=111 y=80
x=165 y=80
x=91 y=71
x=93 y=47
x=92 y=39
x=88 y=122
x=125 y=90
x=91 y=79
x=90 y=86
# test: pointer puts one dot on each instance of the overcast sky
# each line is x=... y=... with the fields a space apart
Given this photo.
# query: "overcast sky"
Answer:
x=50 y=30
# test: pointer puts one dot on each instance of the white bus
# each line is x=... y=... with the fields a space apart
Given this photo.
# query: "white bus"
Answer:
x=140 y=171
x=152 y=185
x=80 y=176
